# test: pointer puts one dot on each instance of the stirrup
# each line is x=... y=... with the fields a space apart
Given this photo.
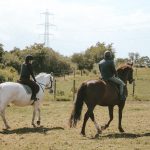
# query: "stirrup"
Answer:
x=34 y=98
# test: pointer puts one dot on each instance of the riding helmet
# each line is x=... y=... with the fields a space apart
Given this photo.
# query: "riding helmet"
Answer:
x=28 y=58
x=107 y=55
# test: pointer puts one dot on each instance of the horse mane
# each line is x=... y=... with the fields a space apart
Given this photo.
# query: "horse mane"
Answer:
x=123 y=67
x=40 y=74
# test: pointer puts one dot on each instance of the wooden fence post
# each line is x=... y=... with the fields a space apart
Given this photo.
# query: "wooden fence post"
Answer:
x=133 y=88
x=73 y=89
x=55 y=90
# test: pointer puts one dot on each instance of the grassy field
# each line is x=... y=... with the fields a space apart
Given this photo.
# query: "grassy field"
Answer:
x=54 y=134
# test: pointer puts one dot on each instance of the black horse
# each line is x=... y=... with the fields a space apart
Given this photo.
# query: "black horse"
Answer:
x=103 y=93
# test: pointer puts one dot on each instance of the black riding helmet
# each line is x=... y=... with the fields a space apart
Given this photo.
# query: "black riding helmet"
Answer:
x=28 y=58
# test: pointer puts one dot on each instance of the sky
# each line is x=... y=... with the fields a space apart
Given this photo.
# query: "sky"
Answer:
x=79 y=24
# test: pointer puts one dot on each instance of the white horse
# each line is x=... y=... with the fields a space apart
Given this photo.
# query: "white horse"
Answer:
x=11 y=92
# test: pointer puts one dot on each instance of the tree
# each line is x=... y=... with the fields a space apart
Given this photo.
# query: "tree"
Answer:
x=92 y=55
x=1 y=52
x=97 y=52
x=78 y=58
x=47 y=60
x=11 y=60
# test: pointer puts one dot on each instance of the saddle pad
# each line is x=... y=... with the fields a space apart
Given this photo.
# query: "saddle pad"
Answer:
x=27 y=88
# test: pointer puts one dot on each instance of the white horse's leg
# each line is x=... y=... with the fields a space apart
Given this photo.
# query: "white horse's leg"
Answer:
x=39 y=117
x=2 y=113
x=33 y=117
x=35 y=109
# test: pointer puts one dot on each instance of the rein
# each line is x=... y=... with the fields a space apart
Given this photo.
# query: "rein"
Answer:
x=40 y=84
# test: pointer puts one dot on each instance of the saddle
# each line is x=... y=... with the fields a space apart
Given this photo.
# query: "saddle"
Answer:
x=27 y=88
x=114 y=85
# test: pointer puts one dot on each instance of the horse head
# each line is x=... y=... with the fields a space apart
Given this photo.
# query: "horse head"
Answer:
x=51 y=81
x=45 y=80
x=126 y=73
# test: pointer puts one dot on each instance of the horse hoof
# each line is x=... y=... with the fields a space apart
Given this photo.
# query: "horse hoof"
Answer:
x=121 y=130
x=8 y=127
x=34 y=125
x=97 y=136
x=38 y=123
x=99 y=131
x=103 y=127
x=83 y=134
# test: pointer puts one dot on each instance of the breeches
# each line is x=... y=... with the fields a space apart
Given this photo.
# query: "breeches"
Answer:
x=119 y=82
x=31 y=84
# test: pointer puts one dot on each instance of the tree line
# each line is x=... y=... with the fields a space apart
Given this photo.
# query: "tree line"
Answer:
x=45 y=59
x=48 y=60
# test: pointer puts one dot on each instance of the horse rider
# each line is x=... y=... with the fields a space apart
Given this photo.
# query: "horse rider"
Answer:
x=109 y=73
x=26 y=73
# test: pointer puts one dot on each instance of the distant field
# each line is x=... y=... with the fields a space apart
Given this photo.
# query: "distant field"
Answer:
x=56 y=135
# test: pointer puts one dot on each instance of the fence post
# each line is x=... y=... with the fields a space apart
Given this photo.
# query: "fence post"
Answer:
x=133 y=88
x=74 y=73
x=73 y=89
x=136 y=72
x=64 y=75
x=55 y=90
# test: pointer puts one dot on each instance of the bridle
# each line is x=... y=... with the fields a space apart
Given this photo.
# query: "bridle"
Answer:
x=130 y=79
x=50 y=81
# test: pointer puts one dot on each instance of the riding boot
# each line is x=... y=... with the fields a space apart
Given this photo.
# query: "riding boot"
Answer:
x=33 y=97
x=122 y=97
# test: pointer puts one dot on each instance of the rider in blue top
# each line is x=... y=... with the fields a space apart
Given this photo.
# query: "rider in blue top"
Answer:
x=108 y=72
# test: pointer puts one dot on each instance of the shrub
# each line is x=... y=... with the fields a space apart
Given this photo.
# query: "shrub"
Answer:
x=8 y=74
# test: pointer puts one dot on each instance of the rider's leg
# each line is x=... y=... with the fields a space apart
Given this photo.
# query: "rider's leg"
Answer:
x=33 y=86
x=121 y=85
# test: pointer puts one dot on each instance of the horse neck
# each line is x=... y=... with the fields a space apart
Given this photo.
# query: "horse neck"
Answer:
x=123 y=75
x=41 y=81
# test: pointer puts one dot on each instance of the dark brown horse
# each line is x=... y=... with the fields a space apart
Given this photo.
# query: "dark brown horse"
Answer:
x=103 y=93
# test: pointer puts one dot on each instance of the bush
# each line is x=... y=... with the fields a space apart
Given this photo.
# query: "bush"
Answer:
x=94 y=71
x=2 y=79
x=8 y=74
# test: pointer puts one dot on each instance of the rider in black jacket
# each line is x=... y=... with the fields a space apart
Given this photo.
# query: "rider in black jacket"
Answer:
x=26 y=72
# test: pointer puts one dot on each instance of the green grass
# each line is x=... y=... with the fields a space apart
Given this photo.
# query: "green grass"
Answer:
x=56 y=135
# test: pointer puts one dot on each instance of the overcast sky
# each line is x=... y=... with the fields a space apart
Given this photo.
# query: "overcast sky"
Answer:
x=79 y=24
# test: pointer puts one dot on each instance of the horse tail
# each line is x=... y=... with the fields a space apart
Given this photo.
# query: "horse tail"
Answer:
x=78 y=104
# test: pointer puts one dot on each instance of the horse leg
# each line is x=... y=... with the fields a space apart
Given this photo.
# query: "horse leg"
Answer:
x=35 y=108
x=86 y=117
x=39 y=117
x=110 y=108
x=96 y=124
x=2 y=113
x=33 y=118
x=120 y=118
